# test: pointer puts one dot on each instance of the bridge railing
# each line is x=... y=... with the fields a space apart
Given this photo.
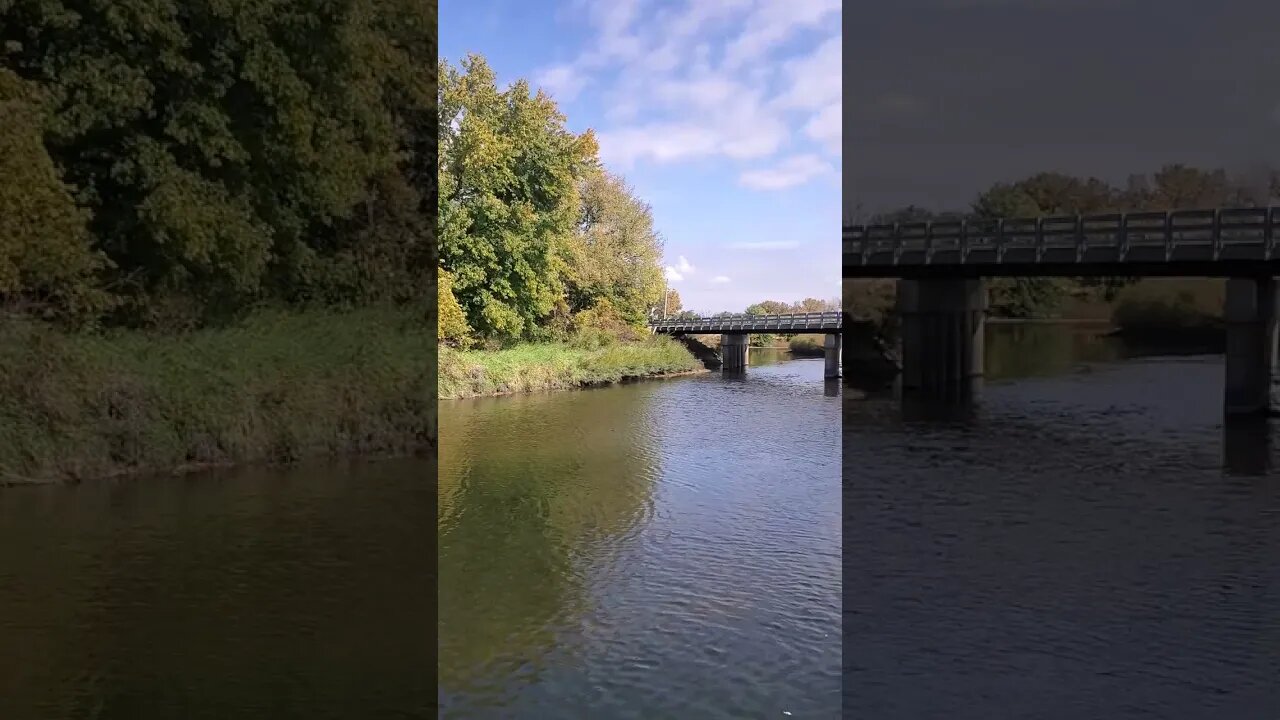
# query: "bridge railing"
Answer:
x=795 y=322
x=1032 y=239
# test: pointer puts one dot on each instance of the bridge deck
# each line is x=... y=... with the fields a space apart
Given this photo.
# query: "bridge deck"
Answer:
x=1222 y=242
x=823 y=322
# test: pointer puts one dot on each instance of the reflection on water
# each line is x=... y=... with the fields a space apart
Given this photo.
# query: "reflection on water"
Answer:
x=1088 y=539
x=297 y=593
x=1246 y=445
x=662 y=549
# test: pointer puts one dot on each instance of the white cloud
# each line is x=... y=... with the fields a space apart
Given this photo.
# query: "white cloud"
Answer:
x=677 y=272
x=792 y=171
x=813 y=81
x=826 y=128
x=765 y=245
x=773 y=23
x=706 y=79
x=563 y=82
x=720 y=279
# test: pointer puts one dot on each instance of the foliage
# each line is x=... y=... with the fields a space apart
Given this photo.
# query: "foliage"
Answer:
x=808 y=345
x=602 y=325
x=45 y=255
x=230 y=153
x=614 y=257
x=1161 y=304
x=453 y=328
x=542 y=243
x=508 y=199
x=673 y=306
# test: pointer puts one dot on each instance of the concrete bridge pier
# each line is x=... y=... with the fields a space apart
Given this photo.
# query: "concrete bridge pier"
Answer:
x=942 y=322
x=1250 y=314
x=833 y=346
x=734 y=351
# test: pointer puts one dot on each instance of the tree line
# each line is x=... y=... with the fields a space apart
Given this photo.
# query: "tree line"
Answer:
x=675 y=311
x=1172 y=187
x=170 y=163
x=538 y=240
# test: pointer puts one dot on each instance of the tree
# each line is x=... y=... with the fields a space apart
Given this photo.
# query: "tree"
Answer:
x=615 y=254
x=452 y=327
x=1040 y=194
x=1178 y=187
x=45 y=253
x=231 y=152
x=508 y=198
x=814 y=305
x=672 y=304
x=768 y=307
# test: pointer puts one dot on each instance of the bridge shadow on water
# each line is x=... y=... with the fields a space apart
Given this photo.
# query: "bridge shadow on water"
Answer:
x=1246 y=446
x=1247 y=442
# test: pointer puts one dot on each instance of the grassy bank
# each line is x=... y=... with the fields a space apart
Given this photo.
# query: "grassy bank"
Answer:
x=533 y=368
x=275 y=388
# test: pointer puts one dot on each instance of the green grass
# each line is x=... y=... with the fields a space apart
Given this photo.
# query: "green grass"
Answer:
x=275 y=388
x=533 y=368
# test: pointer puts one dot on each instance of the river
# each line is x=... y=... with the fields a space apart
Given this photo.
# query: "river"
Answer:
x=660 y=549
x=1088 y=540
x=298 y=592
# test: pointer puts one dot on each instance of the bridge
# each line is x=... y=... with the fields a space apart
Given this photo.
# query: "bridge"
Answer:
x=942 y=296
x=1191 y=243
x=735 y=332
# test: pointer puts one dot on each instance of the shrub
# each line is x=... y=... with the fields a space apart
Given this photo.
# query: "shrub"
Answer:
x=593 y=325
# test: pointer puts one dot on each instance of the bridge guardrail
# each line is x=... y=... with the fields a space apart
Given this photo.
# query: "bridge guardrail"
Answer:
x=794 y=323
x=1235 y=233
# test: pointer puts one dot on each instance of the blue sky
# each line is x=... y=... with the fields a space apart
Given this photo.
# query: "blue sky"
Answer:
x=724 y=115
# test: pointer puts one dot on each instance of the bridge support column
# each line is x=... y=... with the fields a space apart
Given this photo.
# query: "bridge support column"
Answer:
x=942 y=326
x=833 y=346
x=733 y=351
x=1250 y=314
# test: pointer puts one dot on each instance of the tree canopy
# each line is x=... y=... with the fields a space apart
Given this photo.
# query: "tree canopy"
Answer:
x=534 y=232
x=225 y=154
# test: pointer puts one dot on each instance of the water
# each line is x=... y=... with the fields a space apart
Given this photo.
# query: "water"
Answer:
x=1089 y=541
x=299 y=593
x=662 y=549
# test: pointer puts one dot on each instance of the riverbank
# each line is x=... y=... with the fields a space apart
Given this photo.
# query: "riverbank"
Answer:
x=559 y=366
x=1148 y=308
x=808 y=346
x=275 y=388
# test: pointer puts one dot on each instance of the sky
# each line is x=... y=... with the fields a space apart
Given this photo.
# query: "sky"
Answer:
x=947 y=97
x=723 y=115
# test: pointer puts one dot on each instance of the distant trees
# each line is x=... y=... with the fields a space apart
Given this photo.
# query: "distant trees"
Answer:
x=671 y=304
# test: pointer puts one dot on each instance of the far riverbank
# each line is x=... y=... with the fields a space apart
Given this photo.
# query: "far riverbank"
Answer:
x=559 y=366
x=1147 y=308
